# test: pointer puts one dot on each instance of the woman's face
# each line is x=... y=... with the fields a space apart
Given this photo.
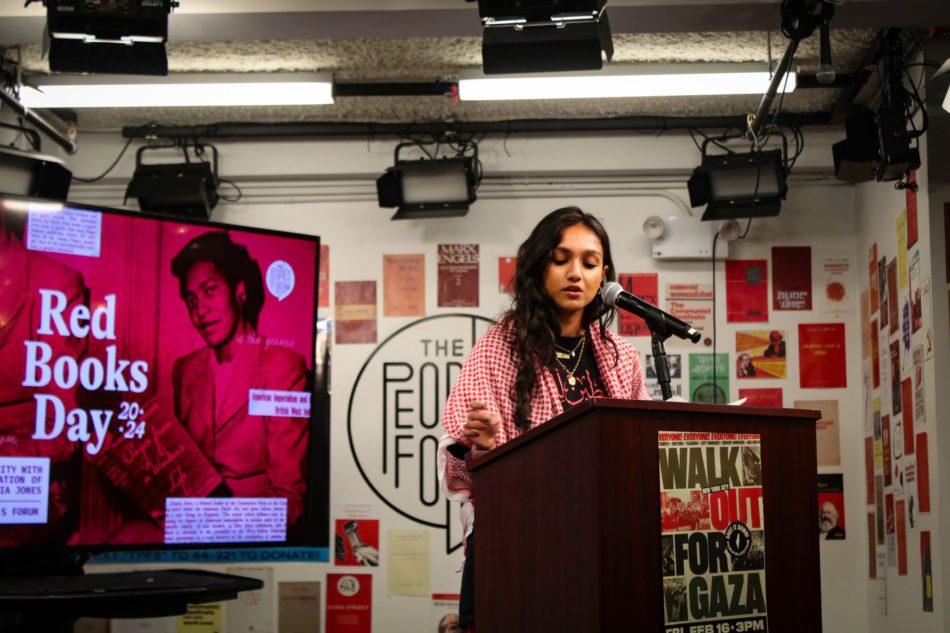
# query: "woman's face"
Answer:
x=573 y=276
x=213 y=306
x=744 y=360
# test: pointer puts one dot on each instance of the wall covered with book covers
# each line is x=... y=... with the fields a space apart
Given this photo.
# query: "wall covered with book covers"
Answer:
x=904 y=342
x=781 y=321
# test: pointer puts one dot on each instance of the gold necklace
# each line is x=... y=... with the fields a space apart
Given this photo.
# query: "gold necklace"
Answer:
x=560 y=352
x=570 y=372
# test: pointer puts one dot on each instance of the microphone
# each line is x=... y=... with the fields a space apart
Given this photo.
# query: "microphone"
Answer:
x=615 y=296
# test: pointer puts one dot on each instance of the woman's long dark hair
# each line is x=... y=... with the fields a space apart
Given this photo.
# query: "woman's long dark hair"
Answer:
x=533 y=312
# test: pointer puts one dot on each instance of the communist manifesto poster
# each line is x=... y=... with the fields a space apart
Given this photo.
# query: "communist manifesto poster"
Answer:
x=713 y=532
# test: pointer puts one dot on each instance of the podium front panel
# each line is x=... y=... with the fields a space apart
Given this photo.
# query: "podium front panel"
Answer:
x=568 y=519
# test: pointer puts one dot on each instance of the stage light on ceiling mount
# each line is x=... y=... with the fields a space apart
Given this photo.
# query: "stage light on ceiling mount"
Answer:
x=525 y=36
x=186 y=189
x=108 y=37
x=733 y=185
x=180 y=89
x=33 y=175
x=648 y=80
x=429 y=188
x=432 y=187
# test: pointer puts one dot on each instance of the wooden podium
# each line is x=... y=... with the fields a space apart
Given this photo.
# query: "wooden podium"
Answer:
x=568 y=519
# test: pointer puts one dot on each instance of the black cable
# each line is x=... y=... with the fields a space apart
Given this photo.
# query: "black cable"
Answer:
x=32 y=136
x=233 y=184
x=110 y=168
x=747 y=227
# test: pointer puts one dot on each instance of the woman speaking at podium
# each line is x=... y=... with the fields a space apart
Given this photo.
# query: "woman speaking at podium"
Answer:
x=547 y=354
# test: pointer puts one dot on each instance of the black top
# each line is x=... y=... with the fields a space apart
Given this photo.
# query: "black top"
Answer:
x=582 y=367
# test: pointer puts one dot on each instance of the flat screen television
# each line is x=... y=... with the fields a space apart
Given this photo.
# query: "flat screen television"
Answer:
x=157 y=383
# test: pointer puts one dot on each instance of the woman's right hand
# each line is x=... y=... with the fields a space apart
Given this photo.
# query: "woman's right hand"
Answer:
x=481 y=426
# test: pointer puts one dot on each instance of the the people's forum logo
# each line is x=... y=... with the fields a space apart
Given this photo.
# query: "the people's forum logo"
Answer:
x=395 y=412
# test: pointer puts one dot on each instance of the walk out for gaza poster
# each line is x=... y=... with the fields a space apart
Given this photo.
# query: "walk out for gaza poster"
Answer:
x=713 y=532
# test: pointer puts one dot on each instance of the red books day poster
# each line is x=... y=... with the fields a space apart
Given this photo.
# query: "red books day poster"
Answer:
x=822 y=361
x=458 y=275
x=646 y=286
x=747 y=290
x=349 y=603
x=791 y=278
x=767 y=397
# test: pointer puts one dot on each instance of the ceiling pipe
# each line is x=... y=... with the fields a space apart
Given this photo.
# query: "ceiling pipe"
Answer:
x=44 y=126
x=337 y=129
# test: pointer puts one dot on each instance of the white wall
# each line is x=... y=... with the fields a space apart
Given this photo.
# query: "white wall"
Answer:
x=895 y=602
x=326 y=188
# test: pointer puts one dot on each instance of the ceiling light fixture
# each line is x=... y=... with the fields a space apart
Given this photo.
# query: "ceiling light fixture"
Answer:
x=665 y=80
x=182 y=90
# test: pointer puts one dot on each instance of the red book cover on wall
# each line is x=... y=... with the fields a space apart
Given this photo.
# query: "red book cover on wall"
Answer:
x=747 y=290
x=875 y=357
x=349 y=603
x=766 y=397
x=892 y=305
x=458 y=275
x=791 y=278
x=911 y=210
x=355 y=311
x=872 y=271
x=923 y=472
x=507 y=267
x=822 y=360
x=646 y=286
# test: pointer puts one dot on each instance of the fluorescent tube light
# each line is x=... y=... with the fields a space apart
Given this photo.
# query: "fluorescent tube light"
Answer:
x=639 y=81
x=192 y=89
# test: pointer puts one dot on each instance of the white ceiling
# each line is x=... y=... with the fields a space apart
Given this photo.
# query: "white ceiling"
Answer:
x=374 y=41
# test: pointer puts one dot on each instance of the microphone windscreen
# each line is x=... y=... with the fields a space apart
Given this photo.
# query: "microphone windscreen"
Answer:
x=610 y=292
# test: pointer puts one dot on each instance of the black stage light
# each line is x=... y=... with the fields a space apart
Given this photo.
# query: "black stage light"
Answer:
x=580 y=46
x=183 y=189
x=119 y=36
x=437 y=188
x=33 y=175
x=876 y=147
x=530 y=12
x=539 y=36
x=749 y=185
